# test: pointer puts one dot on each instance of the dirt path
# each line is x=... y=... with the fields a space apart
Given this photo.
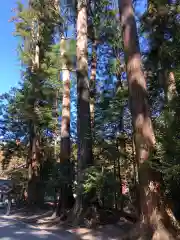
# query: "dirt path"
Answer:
x=42 y=222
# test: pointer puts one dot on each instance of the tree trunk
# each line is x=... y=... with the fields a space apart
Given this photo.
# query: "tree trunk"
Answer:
x=55 y=116
x=83 y=112
x=85 y=156
x=66 y=189
x=172 y=126
x=34 y=196
x=149 y=181
x=34 y=182
x=137 y=203
x=170 y=86
x=93 y=82
x=65 y=123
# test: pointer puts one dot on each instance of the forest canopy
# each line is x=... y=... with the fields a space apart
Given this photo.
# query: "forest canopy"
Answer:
x=95 y=117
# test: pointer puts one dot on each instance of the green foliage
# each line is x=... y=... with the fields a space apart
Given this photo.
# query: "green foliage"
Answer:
x=103 y=183
x=161 y=26
x=31 y=105
x=58 y=176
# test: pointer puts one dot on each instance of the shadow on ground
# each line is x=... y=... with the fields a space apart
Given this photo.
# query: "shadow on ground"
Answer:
x=13 y=230
x=53 y=229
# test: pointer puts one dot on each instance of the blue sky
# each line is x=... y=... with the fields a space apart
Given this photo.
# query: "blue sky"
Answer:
x=9 y=64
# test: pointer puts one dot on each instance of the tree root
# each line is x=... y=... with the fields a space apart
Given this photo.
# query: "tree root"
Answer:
x=162 y=234
x=92 y=216
x=139 y=232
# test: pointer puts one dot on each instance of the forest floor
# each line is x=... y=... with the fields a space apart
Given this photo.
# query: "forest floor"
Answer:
x=42 y=219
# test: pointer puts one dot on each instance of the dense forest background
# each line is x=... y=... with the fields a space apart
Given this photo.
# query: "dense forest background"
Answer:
x=95 y=118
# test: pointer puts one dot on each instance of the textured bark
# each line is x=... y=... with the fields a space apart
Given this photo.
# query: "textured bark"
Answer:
x=66 y=190
x=36 y=50
x=93 y=82
x=55 y=116
x=34 y=189
x=34 y=195
x=149 y=181
x=85 y=156
x=170 y=86
x=83 y=91
x=57 y=30
x=136 y=80
x=65 y=123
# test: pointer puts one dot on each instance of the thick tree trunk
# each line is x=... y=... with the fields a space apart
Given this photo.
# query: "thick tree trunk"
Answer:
x=85 y=156
x=83 y=113
x=66 y=190
x=149 y=181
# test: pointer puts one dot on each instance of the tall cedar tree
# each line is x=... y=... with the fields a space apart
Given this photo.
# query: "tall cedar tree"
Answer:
x=65 y=123
x=85 y=156
x=34 y=161
x=152 y=211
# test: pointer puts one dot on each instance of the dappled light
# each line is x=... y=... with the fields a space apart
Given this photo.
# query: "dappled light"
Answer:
x=89 y=133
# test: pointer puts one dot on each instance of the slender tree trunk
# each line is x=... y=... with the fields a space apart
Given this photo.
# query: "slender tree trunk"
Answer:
x=35 y=41
x=29 y=164
x=55 y=116
x=34 y=183
x=115 y=176
x=93 y=82
x=172 y=121
x=120 y=181
x=170 y=86
x=136 y=178
x=65 y=123
x=34 y=168
x=150 y=196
